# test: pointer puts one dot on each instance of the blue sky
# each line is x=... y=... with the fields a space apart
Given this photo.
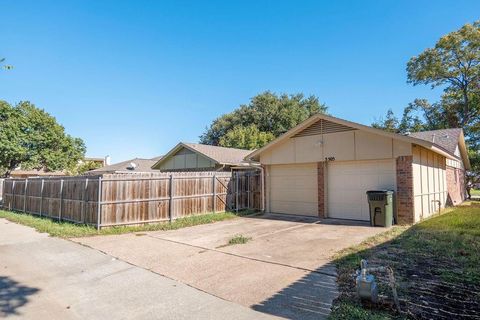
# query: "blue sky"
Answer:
x=133 y=78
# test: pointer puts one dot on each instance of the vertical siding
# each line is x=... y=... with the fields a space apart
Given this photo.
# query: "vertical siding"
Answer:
x=429 y=187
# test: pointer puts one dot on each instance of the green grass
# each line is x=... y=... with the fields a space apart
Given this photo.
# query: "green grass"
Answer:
x=354 y=311
x=475 y=192
x=70 y=230
x=239 y=239
x=436 y=258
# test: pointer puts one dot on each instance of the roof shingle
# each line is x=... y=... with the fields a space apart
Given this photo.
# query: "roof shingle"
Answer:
x=142 y=165
x=445 y=138
x=220 y=154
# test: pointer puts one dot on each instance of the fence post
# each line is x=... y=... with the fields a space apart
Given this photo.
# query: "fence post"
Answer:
x=170 y=205
x=247 y=182
x=61 y=201
x=214 y=185
x=12 y=202
x=99 y=203
x=41 y=197
x=236 y=191
x=3 y=182
x=84 y=203
x=25 y=196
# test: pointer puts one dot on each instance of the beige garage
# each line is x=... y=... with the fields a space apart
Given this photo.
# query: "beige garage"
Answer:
x=293 y=189
x=347 y=182
x=325 y=165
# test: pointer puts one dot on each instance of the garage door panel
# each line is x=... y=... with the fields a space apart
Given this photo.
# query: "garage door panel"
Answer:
x=348 y=196
x=301 y=208
x=293 y=183
x=299 y=195
x=293 y=189
x=293 y=170
x=348 y=183
x=385 y=182
x=343 y=209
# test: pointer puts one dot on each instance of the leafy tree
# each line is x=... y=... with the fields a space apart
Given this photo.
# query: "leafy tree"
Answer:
x=411 y=120
x=454 y=65
x=84 y=166
x=473 y=176
x=246 y=138
x=32 y=138
x=390 y=123
x=267 y=116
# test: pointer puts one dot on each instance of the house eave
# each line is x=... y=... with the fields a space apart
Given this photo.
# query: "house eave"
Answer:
x=177 y=148
x=255 y=155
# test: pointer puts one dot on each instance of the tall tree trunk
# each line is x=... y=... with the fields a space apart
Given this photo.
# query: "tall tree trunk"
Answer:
x=466 y=116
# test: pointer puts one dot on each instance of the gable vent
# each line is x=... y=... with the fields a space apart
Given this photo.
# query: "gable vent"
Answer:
x=323 y=127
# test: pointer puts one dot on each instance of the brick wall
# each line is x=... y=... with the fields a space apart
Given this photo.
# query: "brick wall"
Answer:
x=404 y=196
x=455 y=185
x=321 y=188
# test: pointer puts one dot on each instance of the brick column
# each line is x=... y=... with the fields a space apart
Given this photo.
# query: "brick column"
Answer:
x=321 y=189
x=404 y=195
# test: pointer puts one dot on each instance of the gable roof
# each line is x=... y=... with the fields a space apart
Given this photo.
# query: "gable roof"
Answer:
x=220 y=155
x=449 y=139
x=318 y=117
x=142 y=165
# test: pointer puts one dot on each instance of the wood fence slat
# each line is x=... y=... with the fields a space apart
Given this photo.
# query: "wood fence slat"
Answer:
x=170 y=204
x=99 y=204
x=122 y=199
x=61 y=201
x=25 y=196
x=41 y=197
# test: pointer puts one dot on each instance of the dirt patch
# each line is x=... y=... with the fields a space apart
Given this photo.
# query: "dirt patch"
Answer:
x=436 y=271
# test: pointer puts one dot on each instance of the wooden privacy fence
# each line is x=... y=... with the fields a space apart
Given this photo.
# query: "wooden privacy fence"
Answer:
x=1 y=189
x=126 y=199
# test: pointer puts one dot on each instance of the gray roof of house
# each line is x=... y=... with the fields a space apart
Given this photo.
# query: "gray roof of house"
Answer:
x=221 y=155
x=142 y=165
x=445 y=138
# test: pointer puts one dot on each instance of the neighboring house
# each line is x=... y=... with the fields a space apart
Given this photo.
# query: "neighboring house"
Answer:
x=324 y=166
x=136 y=165
x=453 y=141
x=101 y=161
x=201 y=157
x=20 y=173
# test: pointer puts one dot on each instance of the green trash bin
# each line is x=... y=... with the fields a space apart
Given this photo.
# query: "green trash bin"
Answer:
x=381 y=207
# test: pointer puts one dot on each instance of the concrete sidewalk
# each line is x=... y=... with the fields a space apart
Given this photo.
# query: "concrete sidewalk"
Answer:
x=49 y=278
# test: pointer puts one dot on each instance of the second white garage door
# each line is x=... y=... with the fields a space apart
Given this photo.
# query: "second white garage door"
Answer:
x=293 y=189
x=347 y=183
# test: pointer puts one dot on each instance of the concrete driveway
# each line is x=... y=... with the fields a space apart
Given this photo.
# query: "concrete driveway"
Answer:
x=285 y=270
x=49 y=278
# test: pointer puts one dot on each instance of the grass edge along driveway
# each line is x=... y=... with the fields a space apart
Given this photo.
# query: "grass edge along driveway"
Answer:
x=436 y=268
x=63 y=229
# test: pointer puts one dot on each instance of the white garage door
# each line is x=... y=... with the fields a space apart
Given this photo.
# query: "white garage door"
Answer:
x=348 y=183
x=293 y=189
